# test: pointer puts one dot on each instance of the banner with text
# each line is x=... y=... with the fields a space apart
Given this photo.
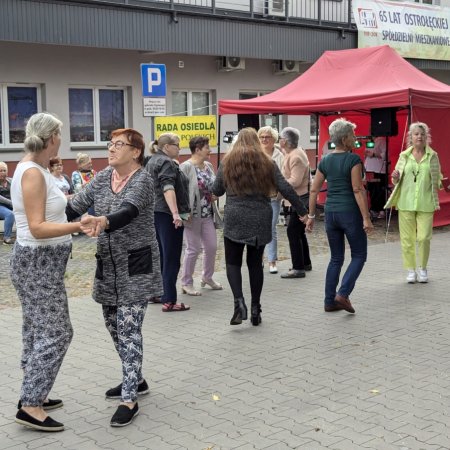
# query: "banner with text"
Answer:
x=415 y=31
x=188 y=127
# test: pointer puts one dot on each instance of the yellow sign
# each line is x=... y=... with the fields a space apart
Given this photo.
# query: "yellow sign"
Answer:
x=187 y=127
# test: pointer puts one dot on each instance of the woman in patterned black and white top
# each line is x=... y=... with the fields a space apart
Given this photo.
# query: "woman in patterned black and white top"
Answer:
x=128 y=269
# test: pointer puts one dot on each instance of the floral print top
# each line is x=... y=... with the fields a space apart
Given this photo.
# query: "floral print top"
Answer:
x=205 y=180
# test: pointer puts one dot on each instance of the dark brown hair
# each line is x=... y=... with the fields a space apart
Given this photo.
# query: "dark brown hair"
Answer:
x=198 y=142
x=247 y=169
x=55 y=160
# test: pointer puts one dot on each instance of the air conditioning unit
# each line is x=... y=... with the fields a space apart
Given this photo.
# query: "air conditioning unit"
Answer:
x=286 y=66
x=276 y=7
x=230 y=63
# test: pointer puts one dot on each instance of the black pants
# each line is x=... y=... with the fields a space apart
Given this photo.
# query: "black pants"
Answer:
x=298 y=243
x=233 y=259
x=377 y=191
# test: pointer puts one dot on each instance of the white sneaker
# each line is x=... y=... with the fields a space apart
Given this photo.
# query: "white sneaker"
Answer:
x=411 y=277
x=273 y=268
x=422 y=276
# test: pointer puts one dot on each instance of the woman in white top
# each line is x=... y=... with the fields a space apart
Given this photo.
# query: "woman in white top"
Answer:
x=268 y=137
x=62 y=180
x=38 y=264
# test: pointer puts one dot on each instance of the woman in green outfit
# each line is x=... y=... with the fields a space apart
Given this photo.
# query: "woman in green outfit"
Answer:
x=417 y=179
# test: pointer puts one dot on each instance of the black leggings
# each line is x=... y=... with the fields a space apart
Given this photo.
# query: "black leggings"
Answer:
x=233 y=259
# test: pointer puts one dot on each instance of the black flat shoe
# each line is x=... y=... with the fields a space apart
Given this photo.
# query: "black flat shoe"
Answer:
x=48 y=424
x=116 y=392
x=124 y=415
x=48 y=405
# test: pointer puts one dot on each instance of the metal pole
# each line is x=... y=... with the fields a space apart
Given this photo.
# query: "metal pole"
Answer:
x=218 y=141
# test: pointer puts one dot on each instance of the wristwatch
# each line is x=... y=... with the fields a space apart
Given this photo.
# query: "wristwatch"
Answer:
x=106 y=223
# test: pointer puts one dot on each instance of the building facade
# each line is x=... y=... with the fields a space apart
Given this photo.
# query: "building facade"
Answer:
x=81 y=60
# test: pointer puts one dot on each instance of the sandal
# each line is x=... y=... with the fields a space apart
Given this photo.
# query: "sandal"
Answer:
x=189 y=290
x=153 y=300
x=212 y=284
x=169 y=307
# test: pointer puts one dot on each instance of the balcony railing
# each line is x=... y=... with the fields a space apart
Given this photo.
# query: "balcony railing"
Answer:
x=321 y=12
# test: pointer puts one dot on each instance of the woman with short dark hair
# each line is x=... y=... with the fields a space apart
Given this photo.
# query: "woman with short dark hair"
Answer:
x=61 y=179
x=199 y=230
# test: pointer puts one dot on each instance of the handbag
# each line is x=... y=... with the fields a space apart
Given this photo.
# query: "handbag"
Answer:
x=217 y=217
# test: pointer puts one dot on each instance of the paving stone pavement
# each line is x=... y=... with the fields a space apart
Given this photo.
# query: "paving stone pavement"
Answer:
x=304 y=379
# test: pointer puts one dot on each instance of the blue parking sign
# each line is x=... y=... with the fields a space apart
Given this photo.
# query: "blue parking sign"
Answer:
x=153 y=80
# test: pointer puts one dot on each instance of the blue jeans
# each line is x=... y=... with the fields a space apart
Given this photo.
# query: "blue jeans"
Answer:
x=170 y=241
x=272 y=246
x=8 y=216
x=341 y=225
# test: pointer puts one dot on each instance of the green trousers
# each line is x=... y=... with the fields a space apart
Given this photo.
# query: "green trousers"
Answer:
x=415 y=227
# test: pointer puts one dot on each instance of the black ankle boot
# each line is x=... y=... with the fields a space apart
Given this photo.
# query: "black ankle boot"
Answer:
x=240 y=311
x=256 y=314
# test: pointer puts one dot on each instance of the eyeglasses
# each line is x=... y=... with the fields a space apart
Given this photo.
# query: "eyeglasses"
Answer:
x=118 y=145
x=265 y=137
x=57 y=165
x=176 y=145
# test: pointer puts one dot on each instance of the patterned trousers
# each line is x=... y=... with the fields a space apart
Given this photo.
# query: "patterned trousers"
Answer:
x=124 y=324
x=37 y=274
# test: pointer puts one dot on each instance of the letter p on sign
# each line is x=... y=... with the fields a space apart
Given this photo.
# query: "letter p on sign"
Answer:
x=153 y=80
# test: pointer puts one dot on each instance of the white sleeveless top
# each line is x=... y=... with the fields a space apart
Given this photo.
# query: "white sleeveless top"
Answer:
x=55 y=207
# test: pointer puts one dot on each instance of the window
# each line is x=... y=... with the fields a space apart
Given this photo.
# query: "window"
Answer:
x=94 y=113
x=257 y=120
x=17 y=104
x=192 y=103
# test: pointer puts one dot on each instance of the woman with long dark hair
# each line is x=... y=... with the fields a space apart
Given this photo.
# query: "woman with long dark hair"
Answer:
x=250 y=179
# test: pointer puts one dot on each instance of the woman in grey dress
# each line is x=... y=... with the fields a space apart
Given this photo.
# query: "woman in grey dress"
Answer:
x=250 y=179
x=128 y=271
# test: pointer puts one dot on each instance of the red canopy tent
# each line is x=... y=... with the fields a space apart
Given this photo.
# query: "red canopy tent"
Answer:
x=352 y=82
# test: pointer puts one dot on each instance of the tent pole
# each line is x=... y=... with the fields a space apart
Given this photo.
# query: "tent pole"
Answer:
x=218 y=141
x=317 y=140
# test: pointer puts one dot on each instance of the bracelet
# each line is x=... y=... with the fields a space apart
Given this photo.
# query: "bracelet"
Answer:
x=311 y=216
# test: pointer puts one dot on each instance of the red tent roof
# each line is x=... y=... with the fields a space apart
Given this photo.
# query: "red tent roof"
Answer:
x=349 y=80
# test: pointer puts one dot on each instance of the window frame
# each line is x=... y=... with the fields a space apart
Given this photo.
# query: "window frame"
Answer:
x=189 y=93
x=4 y=119
x=97 y=142
x=262 y=120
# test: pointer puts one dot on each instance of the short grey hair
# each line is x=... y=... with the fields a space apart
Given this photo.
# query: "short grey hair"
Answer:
x=291 y=136
x=422 y=126
x=340 y=129
x=40 y=128
x=3 y=164
x=269 y=130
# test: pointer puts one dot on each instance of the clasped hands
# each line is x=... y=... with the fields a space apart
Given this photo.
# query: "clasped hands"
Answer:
x=92 y=226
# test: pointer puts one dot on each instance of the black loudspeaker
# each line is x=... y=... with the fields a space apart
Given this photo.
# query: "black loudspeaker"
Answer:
x=383 y=122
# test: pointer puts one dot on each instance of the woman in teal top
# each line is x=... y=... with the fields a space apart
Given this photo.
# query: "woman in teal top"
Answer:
x=346 y=214
x=417 y=178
